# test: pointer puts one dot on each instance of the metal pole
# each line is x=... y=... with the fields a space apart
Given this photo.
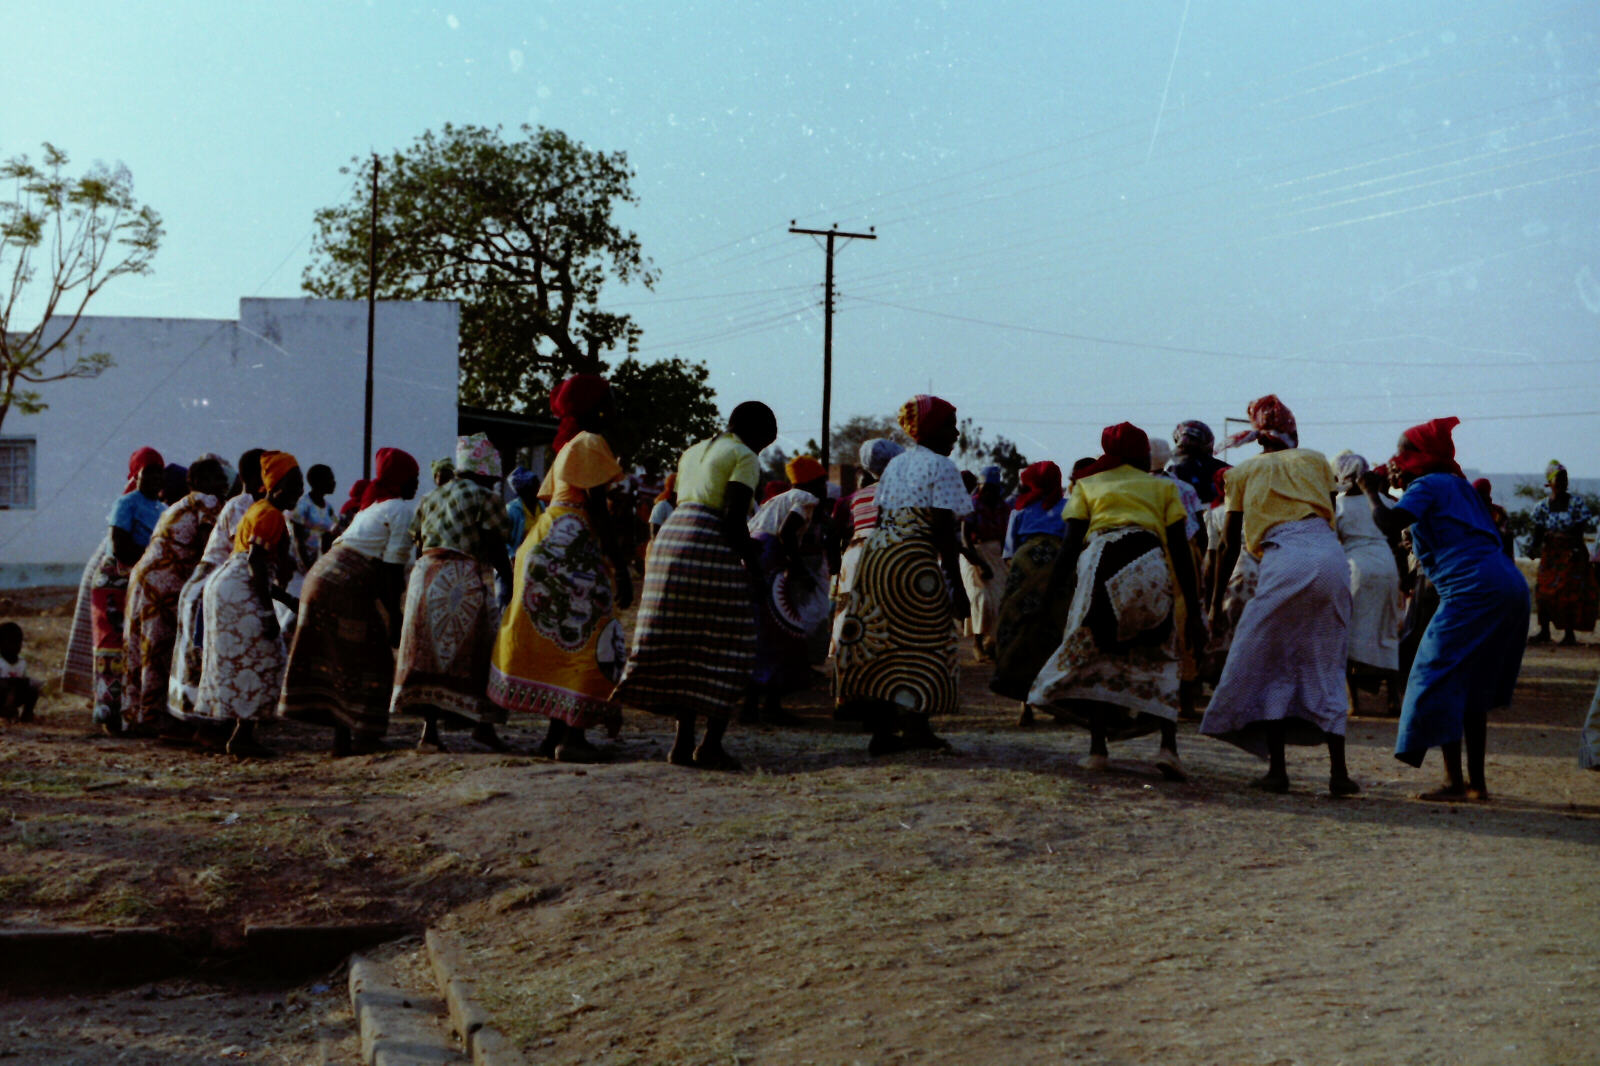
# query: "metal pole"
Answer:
x=827 y=351
x=830 y=233
x=372 y=308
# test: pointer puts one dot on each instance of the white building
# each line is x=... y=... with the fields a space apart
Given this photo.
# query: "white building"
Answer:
x=288 y=375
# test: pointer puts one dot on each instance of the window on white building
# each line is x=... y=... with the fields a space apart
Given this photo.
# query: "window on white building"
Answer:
x=16 y=473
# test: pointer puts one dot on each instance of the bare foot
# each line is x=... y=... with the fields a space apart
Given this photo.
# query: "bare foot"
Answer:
x=1342 y=786
x=1170 y=766
x=433 y=746
x=577 y=751
x=1477 y=794
x=885 y=744
x=1096 y=763
x=680 y=755
x=716 y=759
x=1026 y=720
x=1445 y=794
x=244 y=748
x=1270 y=782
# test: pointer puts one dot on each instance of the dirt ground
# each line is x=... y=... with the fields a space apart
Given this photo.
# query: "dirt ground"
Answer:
x=998 y=904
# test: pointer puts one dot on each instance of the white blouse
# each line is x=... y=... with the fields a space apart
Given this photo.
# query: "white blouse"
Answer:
x=382 y=531
x=920 y=477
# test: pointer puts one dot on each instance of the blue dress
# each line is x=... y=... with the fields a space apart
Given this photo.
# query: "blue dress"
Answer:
x=1471 y=652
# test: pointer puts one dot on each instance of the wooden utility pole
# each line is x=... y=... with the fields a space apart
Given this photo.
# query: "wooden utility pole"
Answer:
x=831 y=234
x=372 y=309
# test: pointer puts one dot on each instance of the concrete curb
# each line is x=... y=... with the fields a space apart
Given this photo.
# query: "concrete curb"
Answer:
x=485 y=1044
x=397 y=1028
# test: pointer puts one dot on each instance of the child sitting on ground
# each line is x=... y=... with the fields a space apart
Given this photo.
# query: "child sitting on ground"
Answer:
x=18 y=692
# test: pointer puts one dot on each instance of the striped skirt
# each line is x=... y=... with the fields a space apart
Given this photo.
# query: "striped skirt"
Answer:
x=898 y=642
x=445 y=641
x=341 y=668
x=77 y=669
x=1287 y=662
x=694 y=647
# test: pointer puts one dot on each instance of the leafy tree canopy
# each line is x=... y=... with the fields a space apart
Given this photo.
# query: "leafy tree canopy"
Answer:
x=665 y=407
x=520 y=231
x=62 y=240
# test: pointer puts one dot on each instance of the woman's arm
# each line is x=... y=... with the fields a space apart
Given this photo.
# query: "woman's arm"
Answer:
x=789 y=537
x=735 y=525
x=1227 y=559
x=599 y=511
x=260 y=562
x=124 y=547
x=1183 y=569
x=1064 y=573
x=947 y=541
x=1390 y=520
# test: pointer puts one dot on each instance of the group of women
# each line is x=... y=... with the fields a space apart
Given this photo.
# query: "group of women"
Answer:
x=1116 y=592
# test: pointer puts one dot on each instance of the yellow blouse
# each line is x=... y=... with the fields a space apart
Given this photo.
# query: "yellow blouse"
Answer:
x=1126 y=496
x=706 y=469
x=1277 y=487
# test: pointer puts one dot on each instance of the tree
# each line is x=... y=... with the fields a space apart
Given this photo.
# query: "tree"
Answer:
x=81 y=233
x=973 y=450
x=848 y=436
x=519 y=231
x=665 y=406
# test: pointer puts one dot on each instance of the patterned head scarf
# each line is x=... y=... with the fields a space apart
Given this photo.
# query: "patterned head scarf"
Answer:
x=1192 y=439
x=475 y=454
x=139 y=462
x=1435 y=449
x=1123 y=444
x=1348 y=469
x=395 y=470
x=571 y=400
x=876 y=453
x=1269 y=418
x=1160 y=452
x=440 y=466
x=1551 y=471
x=275 y=466
x=925 y=416
x=990 y=475
x=1041 y=482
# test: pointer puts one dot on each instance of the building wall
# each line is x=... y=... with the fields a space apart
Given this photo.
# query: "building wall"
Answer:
x=289 y=375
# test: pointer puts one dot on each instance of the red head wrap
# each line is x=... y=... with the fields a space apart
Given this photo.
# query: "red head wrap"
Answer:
x=1483 y=488
x=395 y=470
x=1041 y=481
x=1269 y=418
x=571 y=400
x=1123 y=444
x=1218 y=484
x=1435 y=449
x=139 y=462
x=924 y=416
x=352 y=504
x=771 y=489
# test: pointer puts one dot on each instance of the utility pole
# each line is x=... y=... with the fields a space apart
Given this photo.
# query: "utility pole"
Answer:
x=831 y=233
x=372 y=308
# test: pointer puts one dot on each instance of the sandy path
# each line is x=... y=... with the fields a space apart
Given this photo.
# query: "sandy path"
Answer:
x=999 y=904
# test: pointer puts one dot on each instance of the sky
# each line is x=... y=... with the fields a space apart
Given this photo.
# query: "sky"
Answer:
x=1086 y=213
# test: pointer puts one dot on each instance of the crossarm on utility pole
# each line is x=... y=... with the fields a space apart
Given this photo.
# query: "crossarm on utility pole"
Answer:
x=827 y=322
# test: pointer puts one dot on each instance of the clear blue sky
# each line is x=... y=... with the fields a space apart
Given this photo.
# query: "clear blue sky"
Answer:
x=1382 y=212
